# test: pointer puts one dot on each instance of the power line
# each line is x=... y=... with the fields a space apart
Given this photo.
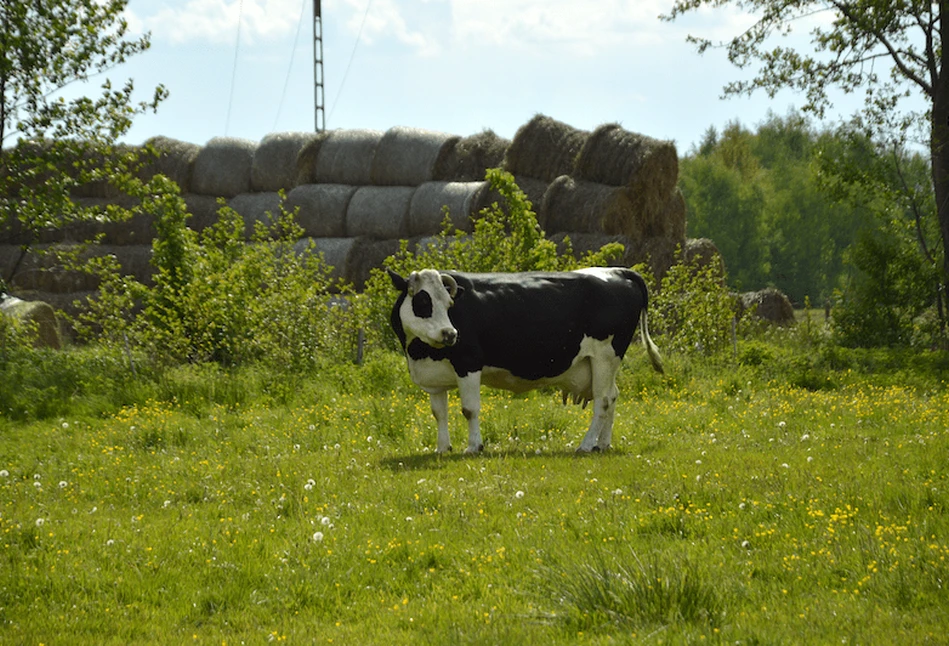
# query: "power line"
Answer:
x=237 y=49
x=293 y=51
x=351 y=57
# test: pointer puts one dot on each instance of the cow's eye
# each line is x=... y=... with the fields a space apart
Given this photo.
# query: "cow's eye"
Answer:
x=422 y=305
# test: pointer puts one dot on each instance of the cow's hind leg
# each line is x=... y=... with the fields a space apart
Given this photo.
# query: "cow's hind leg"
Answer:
x=605 y=394
x=440 y=411
x=469 y=389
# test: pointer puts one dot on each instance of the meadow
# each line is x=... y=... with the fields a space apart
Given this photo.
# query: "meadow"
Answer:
x=785 y=494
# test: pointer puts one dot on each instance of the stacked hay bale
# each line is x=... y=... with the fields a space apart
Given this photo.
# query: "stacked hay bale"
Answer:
x=355 y=193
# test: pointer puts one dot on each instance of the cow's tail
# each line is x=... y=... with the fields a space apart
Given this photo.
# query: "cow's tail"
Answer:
x=654 y=357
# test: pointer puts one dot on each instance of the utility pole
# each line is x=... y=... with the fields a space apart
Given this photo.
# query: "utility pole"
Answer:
x=318 y=103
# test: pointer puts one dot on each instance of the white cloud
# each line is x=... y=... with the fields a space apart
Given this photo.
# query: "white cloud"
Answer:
x=215 y=21
x=386 y=18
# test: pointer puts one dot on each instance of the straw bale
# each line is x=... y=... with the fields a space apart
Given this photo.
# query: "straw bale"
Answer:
x=322 y=207
x=585 y=207
x=532 y=187
x=614 y=156
x=41 y=272
x=203 y=210
x=91 y=158
x=335 y=252
x=771 y=305
x=672 y=219
x=222 y=168
x=138 y=229
x=367 y=255
x=380 y=212
x=307 y=158
x=256 y=207
x=407 y=156
x=584 y=243
x=461 y=198
x=175 y=161
x=703 y=252
x=544 y=148
x=275 y=160
x=36 y=312
x=467 y=159
x=345 y=157
x=658 y=253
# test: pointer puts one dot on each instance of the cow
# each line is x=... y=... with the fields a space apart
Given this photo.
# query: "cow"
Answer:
x=520 y=331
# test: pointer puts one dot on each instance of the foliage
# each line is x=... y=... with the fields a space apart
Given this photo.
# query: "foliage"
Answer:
x=690 y=309
x=62 y=145
x=503 y=240
x=760 y=197
x=217 y=298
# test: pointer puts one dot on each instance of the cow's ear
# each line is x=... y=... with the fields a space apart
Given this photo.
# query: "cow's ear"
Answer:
x=397 y=281
x=453 y=288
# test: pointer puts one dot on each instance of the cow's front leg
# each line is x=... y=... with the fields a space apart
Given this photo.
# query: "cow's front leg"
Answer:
x=469 y=388
x=605 y=394
x=440 y=411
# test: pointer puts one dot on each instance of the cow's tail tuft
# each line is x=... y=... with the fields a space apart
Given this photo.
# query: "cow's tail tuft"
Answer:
x=654 y=357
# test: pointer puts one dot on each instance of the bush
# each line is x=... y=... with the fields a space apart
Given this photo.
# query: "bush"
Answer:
x=217 y=298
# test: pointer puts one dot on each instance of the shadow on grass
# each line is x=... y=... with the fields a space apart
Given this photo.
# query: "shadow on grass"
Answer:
x=435 y=461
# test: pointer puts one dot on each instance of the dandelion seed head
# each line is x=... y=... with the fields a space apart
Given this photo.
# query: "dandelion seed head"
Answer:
x=4 y=473
x=40 y=522
x=317 y=537
x=63 y=484
x=519 y=495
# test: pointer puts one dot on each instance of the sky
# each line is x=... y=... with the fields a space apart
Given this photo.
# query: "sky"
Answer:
x=244 y=68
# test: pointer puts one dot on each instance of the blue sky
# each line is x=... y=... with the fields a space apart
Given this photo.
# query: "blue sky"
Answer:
x=456 y=66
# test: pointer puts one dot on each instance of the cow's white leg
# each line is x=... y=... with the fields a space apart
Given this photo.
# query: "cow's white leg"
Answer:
x=469 y=388
x=605 y=394
x=440 y=411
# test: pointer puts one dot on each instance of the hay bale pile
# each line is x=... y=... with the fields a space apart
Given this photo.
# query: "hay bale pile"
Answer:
x=37 y=313
x=357 y=192
x=770 y=305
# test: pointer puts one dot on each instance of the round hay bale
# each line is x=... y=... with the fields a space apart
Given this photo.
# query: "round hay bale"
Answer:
x=380 y=212
x=672 y=219
x=658 y=253
x=34 y=312
x=770 y=305
x=617 y=157
x=544 y=148
x=367 y=255
x=702 y=252
x=275 y=160
x=203 y=210
x=222 y=168
x=307 y=158
x=92 y=158
x=256 y=207
x=426 y=209
x=466 y=159
x=322 y=208
x=40 y=271
x=175 y=160
x=407 y=156
x=585 y=207
x=138 y=229
x=532 y=187
x=335 y=252
x=583 y=243
x=345 y=157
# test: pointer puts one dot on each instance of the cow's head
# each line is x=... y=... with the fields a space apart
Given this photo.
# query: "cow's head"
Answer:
x=424 y=310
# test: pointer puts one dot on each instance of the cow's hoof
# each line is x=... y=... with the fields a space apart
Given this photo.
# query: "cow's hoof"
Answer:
x=445 y=450
x=583 y=449
x=474 y=450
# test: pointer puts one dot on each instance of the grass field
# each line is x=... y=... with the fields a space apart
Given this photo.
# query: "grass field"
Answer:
x=779 y=499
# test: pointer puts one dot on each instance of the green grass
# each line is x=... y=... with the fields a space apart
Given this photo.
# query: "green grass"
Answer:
x=741 y=504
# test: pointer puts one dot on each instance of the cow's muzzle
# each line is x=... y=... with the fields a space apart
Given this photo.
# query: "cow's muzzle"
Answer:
x=449 y=336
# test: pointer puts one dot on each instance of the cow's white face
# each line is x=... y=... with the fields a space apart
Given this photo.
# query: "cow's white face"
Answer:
x=424 y=312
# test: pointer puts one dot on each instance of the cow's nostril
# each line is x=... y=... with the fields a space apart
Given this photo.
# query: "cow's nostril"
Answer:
x=449 y=336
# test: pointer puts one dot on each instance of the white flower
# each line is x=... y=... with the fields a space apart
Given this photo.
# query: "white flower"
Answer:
x=369 y=439
x=4 y=473
x=781 y=424
x=40 y=521
x=746 y=545
x=38 y=484
x=519 y=494
x=167 y=503
x=617 y=492
x=317 y=537
x=63 y=484
x=110 y=543
x=325 y=521
x=65 y=425
x=805 y=437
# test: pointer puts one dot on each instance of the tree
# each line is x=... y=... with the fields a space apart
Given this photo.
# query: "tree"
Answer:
x=60 y=144
x=851 y=42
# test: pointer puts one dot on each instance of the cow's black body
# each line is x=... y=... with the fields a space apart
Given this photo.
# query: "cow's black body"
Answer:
x=521 y=331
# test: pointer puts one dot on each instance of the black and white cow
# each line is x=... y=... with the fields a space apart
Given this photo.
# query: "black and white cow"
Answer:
x=567 y=330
